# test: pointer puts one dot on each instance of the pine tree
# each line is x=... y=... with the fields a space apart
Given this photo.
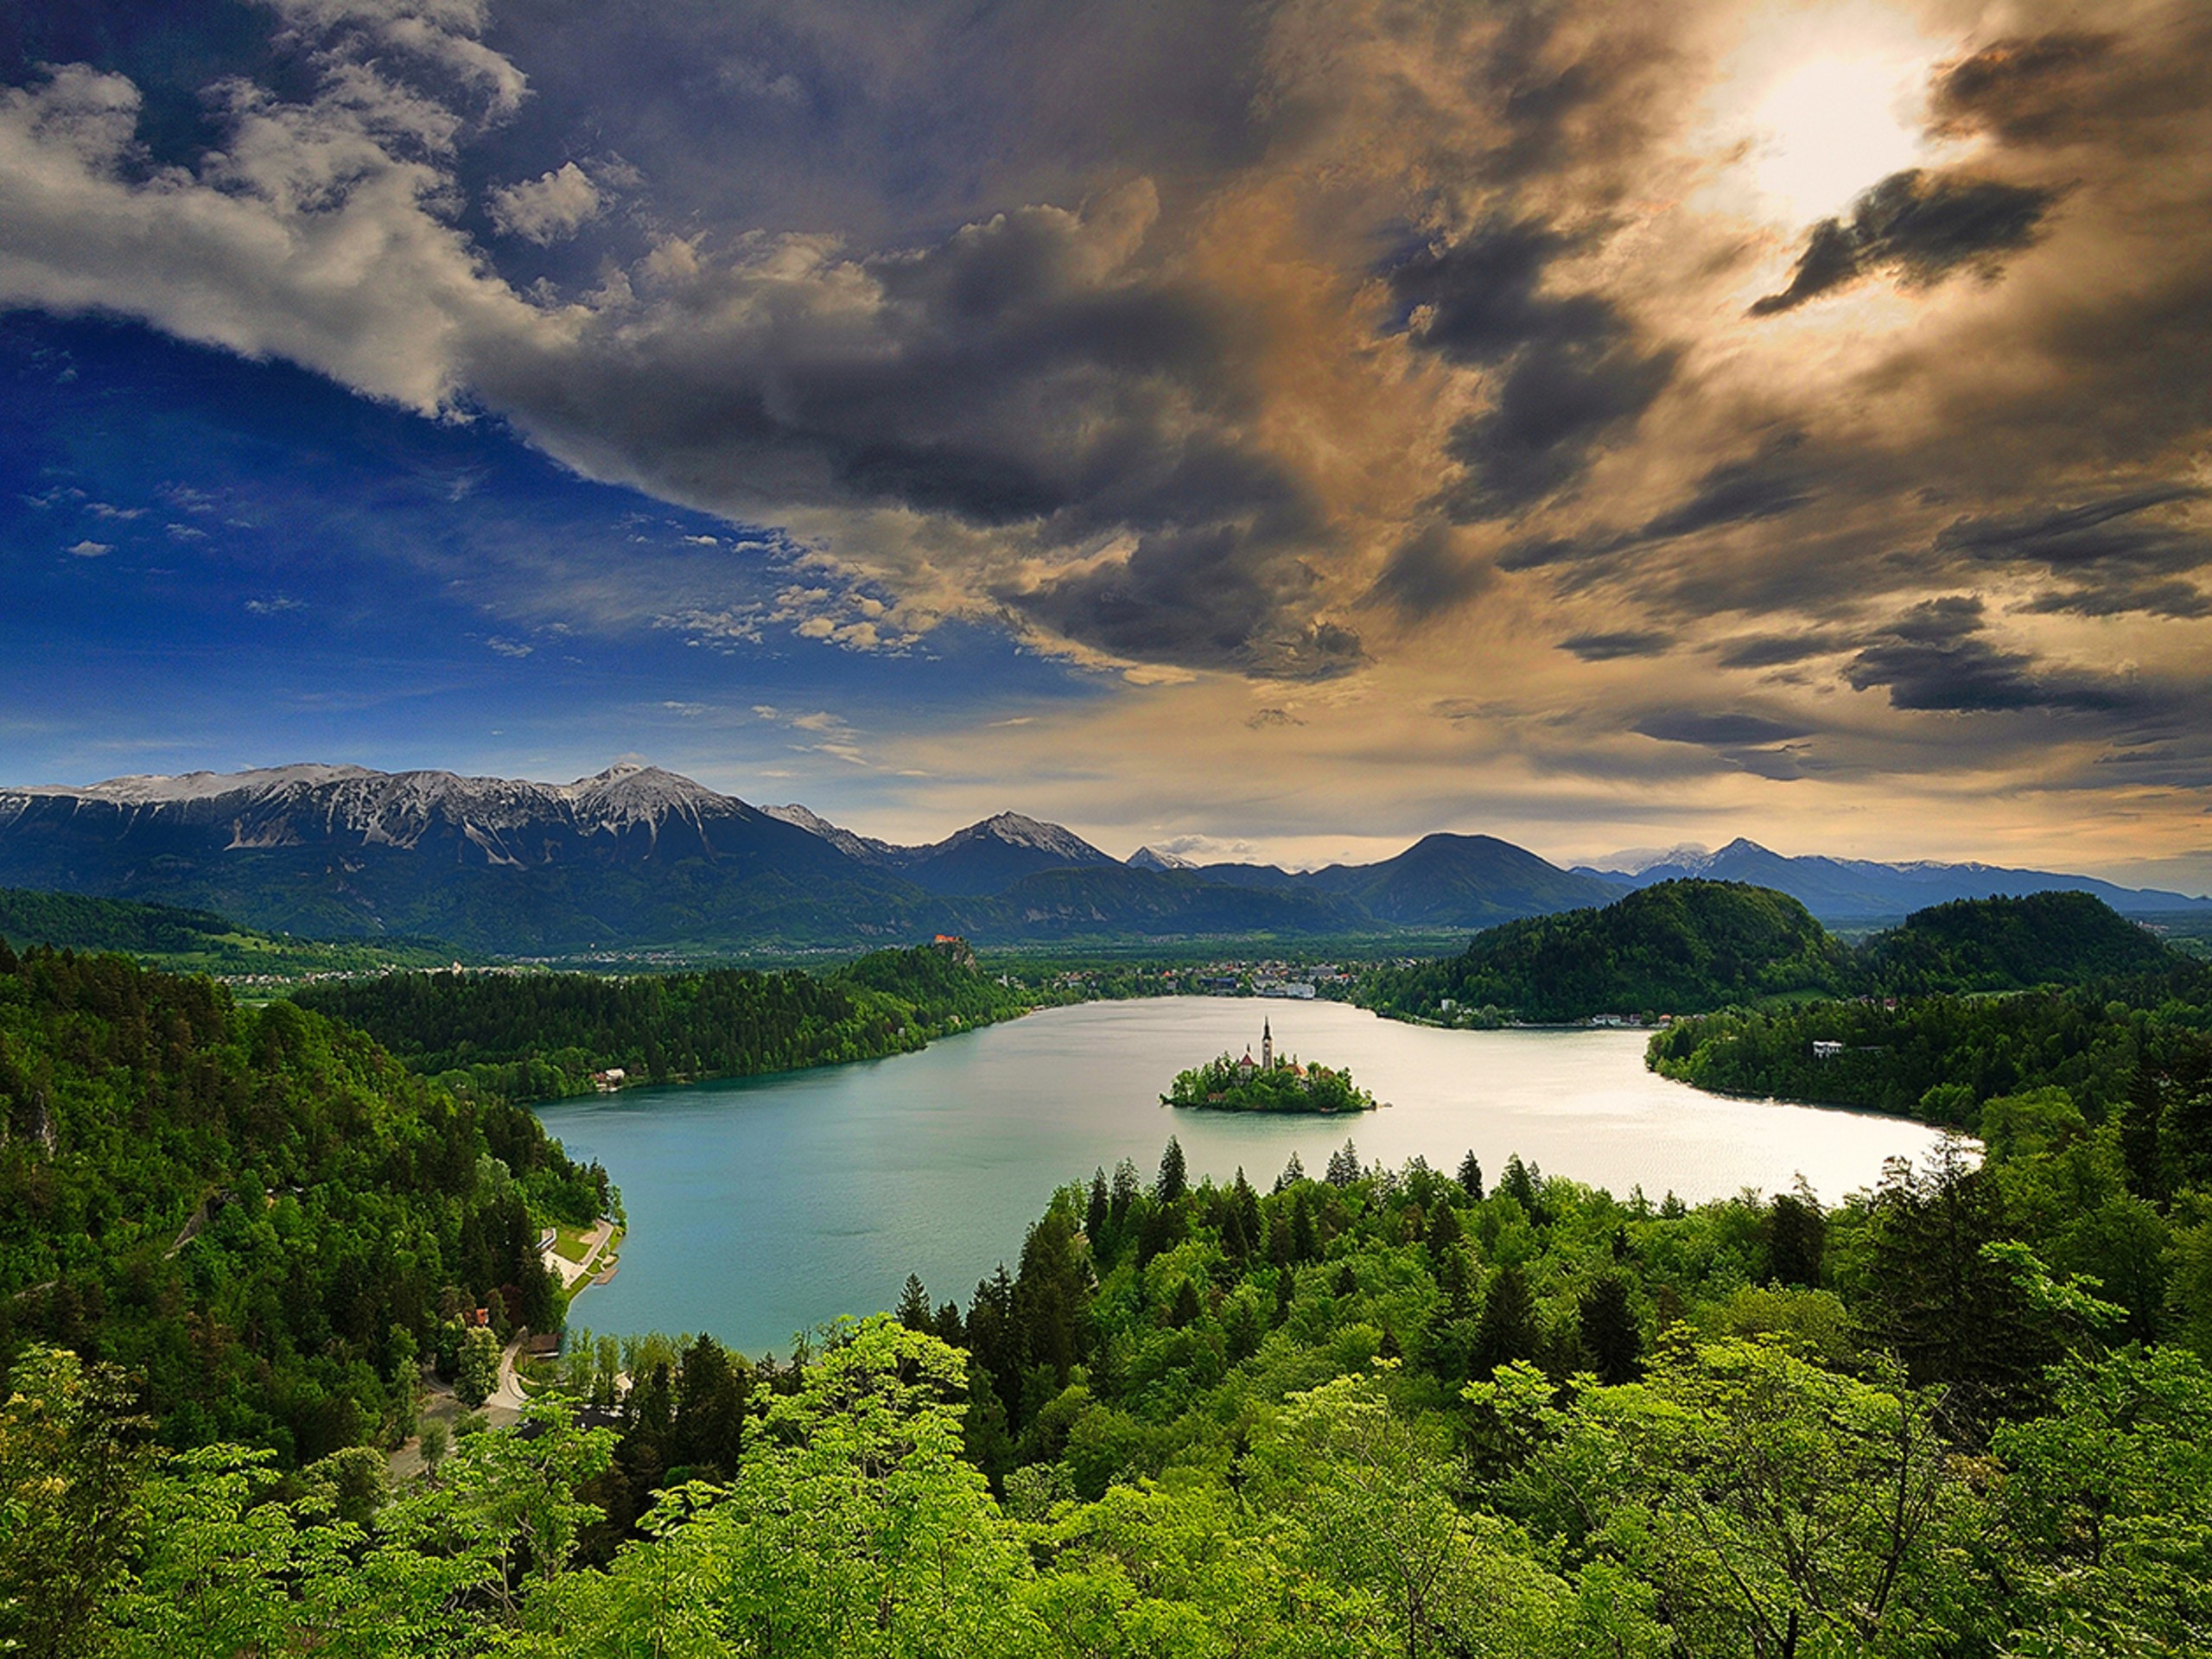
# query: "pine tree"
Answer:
x=1609 y=1331
x=1248 y=1210
x=1185 y=1310
x=1796 y=1234
x=1508 y=1329
x=1100 y=1210
x=1344 y=1166
x=1292 y=1173
x=1175 y=1179
x=1125 y=1190
x=1471 y=1176
x=2139 y=1133
x=1305 y=1243
x=913 y=1309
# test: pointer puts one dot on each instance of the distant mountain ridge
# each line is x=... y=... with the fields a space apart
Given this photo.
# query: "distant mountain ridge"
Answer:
x=1845 y=889
x=636 y=857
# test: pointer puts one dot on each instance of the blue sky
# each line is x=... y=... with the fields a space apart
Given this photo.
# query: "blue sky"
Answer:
x=215 y=563
x=1278 y=428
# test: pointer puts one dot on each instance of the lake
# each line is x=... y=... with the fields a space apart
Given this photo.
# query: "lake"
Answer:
x=761 y=1207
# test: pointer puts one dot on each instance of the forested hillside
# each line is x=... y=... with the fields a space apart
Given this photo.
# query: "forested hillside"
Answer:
x=2009 y=945
x=1677 y=947
x=1695 y=946
x=523 y=1037
x=259 y=1213
x=191 y=941
x=1383 y=1414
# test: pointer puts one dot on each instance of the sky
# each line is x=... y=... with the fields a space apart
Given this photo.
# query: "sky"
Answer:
x=1276 y=430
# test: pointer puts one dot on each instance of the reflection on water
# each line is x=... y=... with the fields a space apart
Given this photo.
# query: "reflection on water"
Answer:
x=761 y=1208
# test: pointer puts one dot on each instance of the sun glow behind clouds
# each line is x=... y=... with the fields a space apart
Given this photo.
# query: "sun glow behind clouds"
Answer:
x=1818 y=106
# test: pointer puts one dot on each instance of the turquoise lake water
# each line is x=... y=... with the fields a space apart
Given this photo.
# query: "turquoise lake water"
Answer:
x=759 y=1208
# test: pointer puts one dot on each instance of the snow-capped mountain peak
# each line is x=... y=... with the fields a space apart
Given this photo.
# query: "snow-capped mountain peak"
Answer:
x=1151 y=858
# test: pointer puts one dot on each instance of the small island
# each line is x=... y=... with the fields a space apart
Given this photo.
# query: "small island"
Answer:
x=1266 y=1085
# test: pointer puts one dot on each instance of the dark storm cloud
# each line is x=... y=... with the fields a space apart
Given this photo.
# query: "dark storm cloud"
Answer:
x=1767 y=486
x=1198 y=599
x=1426 y=575
x=1921 y=225
x=1778 y=650
x=1932 y=657
x=1717 y=731
x=2110 y=533
x=2175 y=599
x=2027 y=91
x=1575 y=370
x=1628 y=642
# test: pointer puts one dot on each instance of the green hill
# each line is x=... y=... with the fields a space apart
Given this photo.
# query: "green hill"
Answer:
x=538 y=1036
x=2011 y=945
x=257 y=1210
x=1678 y=947
x=192 y=941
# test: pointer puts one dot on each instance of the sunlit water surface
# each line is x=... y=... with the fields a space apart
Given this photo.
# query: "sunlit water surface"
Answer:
x=762 y=1207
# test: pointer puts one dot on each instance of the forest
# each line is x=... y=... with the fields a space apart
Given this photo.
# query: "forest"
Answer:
x=1406 y=1411
x=257 y=1213
x=1385 y=1412
x=1697 y=946
x=523 y=1037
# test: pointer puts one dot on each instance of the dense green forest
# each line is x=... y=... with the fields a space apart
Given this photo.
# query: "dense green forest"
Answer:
x=1385 y=1413
x=536 y=1036
x=193 y=941
x=1939 y=1057
x=1673 y=947
x=1695 y=947
x=1222 y=1085
x=257 y=1212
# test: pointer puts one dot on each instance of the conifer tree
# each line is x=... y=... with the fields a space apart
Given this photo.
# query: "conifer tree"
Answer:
x=913 y=1309
x=1292 y=1173
x=1344 y=1166
x=1795 y=1235
x=1175 y=1179
x=1471 y=1176
x=1508 y=1329
x=1609 y=1331
x=1100 y=1209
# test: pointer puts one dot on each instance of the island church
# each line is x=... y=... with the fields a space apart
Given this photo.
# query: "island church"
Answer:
x=1248 y=1065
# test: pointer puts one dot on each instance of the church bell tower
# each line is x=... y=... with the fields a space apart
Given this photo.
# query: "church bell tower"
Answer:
x=1267 y=1047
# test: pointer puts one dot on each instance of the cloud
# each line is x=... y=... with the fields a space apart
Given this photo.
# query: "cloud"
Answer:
x=509 y=647
x=1933 y=658
x=548 y=208
x=89 y=549
x=2108 y=532
x=1717 y=731
x=2027 y=90
x=1574 y=369
x=1779 y=650
x=1921 y=226
x=1626 y=642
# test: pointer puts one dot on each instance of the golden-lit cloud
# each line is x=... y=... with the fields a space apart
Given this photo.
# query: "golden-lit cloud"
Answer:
x=1553 y=419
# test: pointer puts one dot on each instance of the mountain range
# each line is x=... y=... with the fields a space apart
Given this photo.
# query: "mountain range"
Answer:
x=636 y=857
x=1858 y=889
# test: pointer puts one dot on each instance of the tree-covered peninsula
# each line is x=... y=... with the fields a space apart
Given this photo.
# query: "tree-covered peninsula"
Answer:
x=541 y=1036
x=1272 y=1083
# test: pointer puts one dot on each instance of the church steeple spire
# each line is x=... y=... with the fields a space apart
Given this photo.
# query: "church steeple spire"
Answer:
x=1267 y=1046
